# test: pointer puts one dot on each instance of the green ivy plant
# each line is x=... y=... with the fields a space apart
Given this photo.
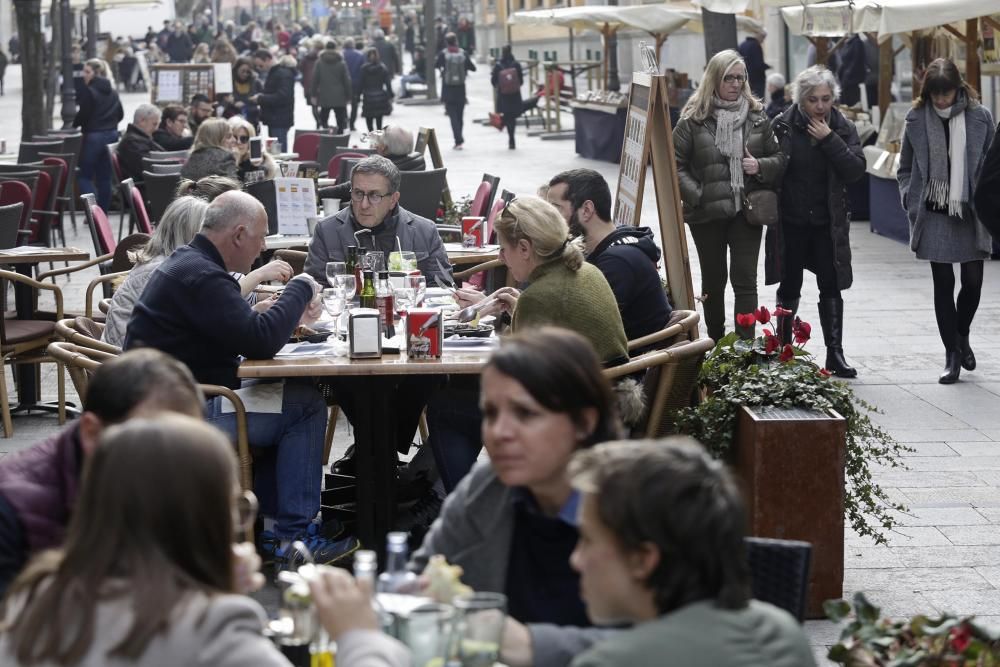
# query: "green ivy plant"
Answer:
x=452 y=214
x=869 y=639
x=762 y=371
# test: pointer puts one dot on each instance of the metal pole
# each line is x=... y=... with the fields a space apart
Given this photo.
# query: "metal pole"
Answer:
x=91 y=29
x=68 y=92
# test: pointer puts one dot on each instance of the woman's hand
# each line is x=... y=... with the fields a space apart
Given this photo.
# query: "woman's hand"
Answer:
x=506 y=301
x=818 y=129
x=751 y=166
x=246 y=568
x=342 y=603
x=468 y=297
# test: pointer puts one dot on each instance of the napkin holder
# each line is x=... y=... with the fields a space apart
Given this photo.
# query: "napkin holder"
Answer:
x=365 y=333
x=424 y=333
x=473 y=232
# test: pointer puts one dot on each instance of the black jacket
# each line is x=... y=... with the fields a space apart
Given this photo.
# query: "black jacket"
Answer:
x=134 y=146
x=376 y=90
x=209 y=161
x=627 y=258
x=845 y=164
x=389 y=56
x=987 y=195
x=192 y=309
x=508 y=104
x=171 y=142
x=753 y=57
x=777 y=105
x=100 y=108
x=179 y=47
x=277 y=102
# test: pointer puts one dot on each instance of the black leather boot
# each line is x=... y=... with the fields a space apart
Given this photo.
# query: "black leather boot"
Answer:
x=968 y=358
x=952 y=367
x=783 y=328
x=831 y=318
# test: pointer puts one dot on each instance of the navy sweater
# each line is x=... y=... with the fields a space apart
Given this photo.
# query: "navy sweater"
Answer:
x=192 y=309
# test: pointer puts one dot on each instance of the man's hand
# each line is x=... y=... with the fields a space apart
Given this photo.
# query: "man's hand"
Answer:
x=263 y=304
x=314 y=309
x=342 y=603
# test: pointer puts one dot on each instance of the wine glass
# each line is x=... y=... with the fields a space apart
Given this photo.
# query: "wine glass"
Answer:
x=404 y=300
x=334 y=269
x=348 y=284
x=418 y=284
x=374 y=261
x=334 y=301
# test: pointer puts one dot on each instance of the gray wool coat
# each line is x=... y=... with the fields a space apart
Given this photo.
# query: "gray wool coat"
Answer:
x=703 y=172
x=914 y=169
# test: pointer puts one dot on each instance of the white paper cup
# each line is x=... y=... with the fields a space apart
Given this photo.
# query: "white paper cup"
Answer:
x=330 y=207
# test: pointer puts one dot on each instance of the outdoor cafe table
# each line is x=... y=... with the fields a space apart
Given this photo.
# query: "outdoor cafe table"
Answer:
x=24 y=259
x=372 y=381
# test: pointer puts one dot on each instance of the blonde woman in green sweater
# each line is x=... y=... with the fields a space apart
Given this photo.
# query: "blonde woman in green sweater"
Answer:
x=562 y=290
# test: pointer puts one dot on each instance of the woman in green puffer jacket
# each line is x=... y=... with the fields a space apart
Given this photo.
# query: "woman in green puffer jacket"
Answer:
x=725 y=147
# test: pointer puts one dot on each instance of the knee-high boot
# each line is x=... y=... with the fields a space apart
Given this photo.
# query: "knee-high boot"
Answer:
x=831 y=317
x=783 y=329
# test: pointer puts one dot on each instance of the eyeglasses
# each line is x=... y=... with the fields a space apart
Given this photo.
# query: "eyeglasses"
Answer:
x=734 y=78
x=243 y=138
x=244 y=513
x=374 y=198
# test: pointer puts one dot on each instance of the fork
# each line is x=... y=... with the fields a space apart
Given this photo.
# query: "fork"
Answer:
x=442 y=271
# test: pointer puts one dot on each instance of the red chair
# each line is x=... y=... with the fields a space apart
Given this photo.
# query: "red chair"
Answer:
x=16 y=192
x=137 y=208
x=100 y=228
x=480 y=200
x=60 y=203
x=494 y=212
x=333 y=167
x=307 y=146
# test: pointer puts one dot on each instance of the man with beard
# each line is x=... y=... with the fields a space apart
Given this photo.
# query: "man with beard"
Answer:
x=627 y=256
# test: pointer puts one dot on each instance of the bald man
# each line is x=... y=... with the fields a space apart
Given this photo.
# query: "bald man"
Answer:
x=192 y=308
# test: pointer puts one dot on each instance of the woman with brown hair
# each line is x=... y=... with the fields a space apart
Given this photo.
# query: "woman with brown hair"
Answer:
x=213 y=152
x=944 y=147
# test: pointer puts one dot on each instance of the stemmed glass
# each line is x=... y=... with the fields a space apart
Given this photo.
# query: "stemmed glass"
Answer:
x=333 y=270
x=418 y=286
x=403 y=300
x=334 y=301
x=347 y=283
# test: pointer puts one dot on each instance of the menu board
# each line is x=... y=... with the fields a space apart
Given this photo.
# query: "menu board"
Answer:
x=173 y=83
x=295 y=200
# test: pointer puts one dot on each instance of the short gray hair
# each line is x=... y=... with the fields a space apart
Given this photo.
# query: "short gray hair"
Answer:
x=349 y=43
x=378 y=34
x=811 y=78
x=144 y=112
x=397 y=140
x=231 y=208
x=380 y=166
x=178 y=225
x=776 y=79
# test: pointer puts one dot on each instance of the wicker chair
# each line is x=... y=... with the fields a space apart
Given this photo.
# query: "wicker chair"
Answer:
x=779 y=571
x=680 y=327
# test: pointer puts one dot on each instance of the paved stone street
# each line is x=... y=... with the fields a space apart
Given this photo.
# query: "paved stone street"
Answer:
x=946 y=553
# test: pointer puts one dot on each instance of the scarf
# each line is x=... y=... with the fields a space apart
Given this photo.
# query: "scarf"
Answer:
x=729 y=120
x=943 y=188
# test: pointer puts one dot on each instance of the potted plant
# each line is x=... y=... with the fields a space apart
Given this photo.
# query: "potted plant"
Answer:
x=870 y=640
x=452 y=214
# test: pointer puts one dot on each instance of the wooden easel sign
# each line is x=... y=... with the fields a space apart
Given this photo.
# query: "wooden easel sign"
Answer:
x=649 y=138
x=427 y=141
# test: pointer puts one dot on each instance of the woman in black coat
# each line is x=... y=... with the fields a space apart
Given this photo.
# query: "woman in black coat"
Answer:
x=376 y=90
x=98 y=116
x=824 y=155
x=507 y=77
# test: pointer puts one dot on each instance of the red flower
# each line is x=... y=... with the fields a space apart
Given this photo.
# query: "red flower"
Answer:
x=440 y=213
x=763 y=315
x=771 y=342
x=801 y=331
x=825 y=373
x=746 y=320
x=782 y=312
x=787 y=353
x=961 y=637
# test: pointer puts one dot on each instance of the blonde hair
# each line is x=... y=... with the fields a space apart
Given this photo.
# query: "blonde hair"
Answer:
x=540 y=223
x=699 y=106
x=267 y=162
x=100 y=68
x=211 y=132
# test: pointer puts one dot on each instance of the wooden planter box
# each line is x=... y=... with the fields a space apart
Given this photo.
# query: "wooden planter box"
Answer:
x=791 y=463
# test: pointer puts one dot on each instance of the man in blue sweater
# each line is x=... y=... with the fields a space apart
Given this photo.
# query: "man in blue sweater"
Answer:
x=627 y=256
x=192 y=309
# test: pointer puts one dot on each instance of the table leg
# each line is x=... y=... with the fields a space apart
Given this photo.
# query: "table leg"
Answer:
x=375 y=459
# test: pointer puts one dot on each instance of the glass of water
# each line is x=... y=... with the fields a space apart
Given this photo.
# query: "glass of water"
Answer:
x=334 y=302
x=418 y=284
x=334 y=269
x=348 y=284
x=479 y=628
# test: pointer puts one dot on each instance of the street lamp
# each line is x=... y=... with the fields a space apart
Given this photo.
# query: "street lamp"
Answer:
x=91 y=29
x=68 y=110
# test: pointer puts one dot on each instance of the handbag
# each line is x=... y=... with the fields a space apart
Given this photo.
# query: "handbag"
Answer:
x=760 y=207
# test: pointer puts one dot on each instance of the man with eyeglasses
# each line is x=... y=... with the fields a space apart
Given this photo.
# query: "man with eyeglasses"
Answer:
x=376 y=221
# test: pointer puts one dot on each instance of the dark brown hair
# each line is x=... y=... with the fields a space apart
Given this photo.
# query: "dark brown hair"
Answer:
x=671 y=494
x=155 y=512
x=942 y=76
x=561 y=371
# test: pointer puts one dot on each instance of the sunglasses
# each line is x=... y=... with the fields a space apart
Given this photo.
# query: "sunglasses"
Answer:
x=243 y=138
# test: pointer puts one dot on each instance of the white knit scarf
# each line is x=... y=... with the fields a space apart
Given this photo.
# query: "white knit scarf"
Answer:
x=952 y=189
x=729 y=120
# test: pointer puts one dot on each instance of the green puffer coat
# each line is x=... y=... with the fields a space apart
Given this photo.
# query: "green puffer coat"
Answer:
x=703 y=171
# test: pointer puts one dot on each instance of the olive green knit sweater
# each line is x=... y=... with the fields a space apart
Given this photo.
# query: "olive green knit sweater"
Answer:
x=578 y=300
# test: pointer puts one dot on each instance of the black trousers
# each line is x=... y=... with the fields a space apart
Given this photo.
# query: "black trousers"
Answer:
x=954 y=315
x=340 y=113
x=355 y=105
x=510 y=122
x=813 y=246
x=376 y=120
x=455 y=111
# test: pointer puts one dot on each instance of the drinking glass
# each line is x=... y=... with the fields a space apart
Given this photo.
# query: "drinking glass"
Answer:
x=334 y=269
x=334 y=301
x=348 y=284
x=374 y=261
x=480 y=627
x=404 y=300
x=426 y=632
x=403 y=261
x=419 y=286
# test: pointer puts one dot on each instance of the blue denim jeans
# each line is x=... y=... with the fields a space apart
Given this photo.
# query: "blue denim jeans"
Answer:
x=407 y=79
x=454 y=426
x=281 y=134
x=95 y=166
x=288 y=480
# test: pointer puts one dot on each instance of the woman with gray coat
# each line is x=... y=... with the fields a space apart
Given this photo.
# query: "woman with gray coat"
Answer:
x=824 y=155
x=947 y=121
x=724 y=148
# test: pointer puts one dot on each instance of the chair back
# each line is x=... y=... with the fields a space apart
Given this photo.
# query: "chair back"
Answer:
x=17 y=192
x=308 y=169
x=494 y=182
x=423 y=135
x=10 y=222
x=100 y=228
x=136 y=207
x=420 y=191
x=480 y=206
x=321 y=131
x=295 y=258
x=69 y=177
x=165 y=168
x=680 y=326
x=46 y=201
x=80 y=362
x=306 y=145
x=122 y=260
x=180 y=156
x=328 y=145
x=62 y=161
x=159 y=190
x=84 y=332
x=333 y=166
x=28 y=151
x=148 y=162
x=779 y=573
x=115 y=164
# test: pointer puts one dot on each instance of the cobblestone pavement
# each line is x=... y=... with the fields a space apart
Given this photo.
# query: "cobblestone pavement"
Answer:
x=945 y=555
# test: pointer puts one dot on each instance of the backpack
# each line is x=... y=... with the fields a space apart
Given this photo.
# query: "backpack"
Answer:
x=508 y=82
x=454 y=68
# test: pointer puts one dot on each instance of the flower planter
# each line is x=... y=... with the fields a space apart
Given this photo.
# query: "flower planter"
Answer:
x=791 y=463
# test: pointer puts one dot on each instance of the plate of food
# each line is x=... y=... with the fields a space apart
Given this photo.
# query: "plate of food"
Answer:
x=304 y=334
x=468 y=330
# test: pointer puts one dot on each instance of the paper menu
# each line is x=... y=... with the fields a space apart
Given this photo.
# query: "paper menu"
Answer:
x=168 y=86
x=295 y=200
x=223 y=78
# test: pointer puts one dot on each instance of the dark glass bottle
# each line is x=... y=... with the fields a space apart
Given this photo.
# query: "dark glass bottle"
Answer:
x=354 y=266
x=368 y=293
x=385 y=303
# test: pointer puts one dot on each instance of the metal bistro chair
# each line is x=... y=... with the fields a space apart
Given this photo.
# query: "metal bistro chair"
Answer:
x=328 y=145
x=420 y=191
x=20 y=190
x=166 y=168
x=180 y=156
x=779 y=572
x=138 y=219
x=65 y=198
x=160 y=190
x=10 y=221
x=29 y=150
x=306 y=145
x=334 y=166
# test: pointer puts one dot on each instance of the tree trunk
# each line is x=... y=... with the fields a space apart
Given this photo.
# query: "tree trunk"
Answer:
x=430 y=48
x=720 y=32
x=29 y=28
